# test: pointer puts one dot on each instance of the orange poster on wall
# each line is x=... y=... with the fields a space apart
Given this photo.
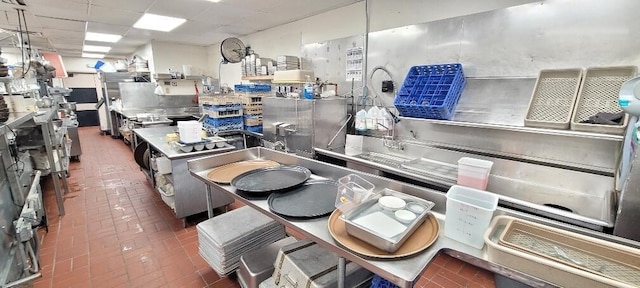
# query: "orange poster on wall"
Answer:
x=55 y=60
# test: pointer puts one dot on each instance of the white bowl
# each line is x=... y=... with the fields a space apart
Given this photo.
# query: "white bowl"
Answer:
x=210 y=145
x=220 y=144
x=198 y=147
x=391 y=203
x=186 y=148
x=405 y=216
x=416 y=208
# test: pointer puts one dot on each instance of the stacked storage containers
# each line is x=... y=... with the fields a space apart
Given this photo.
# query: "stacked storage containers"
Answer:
x=251 y=98
x=223 y=113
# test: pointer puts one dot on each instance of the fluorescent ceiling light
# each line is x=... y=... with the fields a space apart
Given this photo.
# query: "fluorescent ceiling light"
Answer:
x=92 y=48
x=215 y=1
x=158 y=22
x=102 y=37
x=92 y=55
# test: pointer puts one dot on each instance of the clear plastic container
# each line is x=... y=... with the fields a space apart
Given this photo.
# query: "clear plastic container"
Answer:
x=474 y=173
x=352 y=190
x=469 y=212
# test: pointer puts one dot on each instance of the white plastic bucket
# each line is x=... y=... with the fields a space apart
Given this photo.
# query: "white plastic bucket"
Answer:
x=187 y=70
x=189 y=131
x=469 y=212
x=474 y=173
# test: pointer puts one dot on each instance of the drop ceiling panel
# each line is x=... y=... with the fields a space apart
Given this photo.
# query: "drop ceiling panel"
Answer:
x=194 y=28
x=114 y=16
x=63 y=10
x=210 y=38
x=226 y=14
x=257 y=5
x=129 y=5
x=67 y=25
x=65 y=46
x=122 y=51
x=237 y=30
x=184 y=9
x=63 y=34
x=131 y=41
x=107 y=28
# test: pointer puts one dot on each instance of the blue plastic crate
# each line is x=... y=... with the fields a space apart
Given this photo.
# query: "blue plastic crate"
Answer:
x=256 y=129
x=226 y=107
x=252 y=88
x=431 y=91
x=379 y=282
x=218 y=122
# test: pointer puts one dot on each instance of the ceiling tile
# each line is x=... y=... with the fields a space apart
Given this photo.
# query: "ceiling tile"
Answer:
x=63 y=34
x=114 y=16
x=68 y=46
x=68 y=25
x=210 y=38
x=226 y=14
x=107 y=28
x=136 y=6
x=132 y=41
x=255 y=5
x=122 y=51
x=61 y=9
x=195 y=28
x=74 y=53
x=237 y=30
x=139 y=34
x=186 y=9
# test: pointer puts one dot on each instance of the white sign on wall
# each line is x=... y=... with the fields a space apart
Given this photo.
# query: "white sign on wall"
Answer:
x=354 y=63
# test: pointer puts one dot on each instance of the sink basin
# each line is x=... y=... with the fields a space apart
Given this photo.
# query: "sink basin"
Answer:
x=387 y=159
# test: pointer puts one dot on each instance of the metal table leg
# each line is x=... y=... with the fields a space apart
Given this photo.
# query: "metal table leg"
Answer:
x=48 y=136
x=209 y=202
x=342 y=268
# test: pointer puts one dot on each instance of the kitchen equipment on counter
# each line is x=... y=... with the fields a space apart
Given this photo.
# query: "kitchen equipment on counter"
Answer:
x=607 y=263
x=189 y=131
x=314 y=199
x=378 y=227
x=424 y=236
x=474 y=173
x=225 y=173
x=257 y=266
x=225 y=238
x=307 y=264
x=468 y=214
x=266 y=180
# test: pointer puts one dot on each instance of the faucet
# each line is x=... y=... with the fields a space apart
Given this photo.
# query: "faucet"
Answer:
x=280 y=144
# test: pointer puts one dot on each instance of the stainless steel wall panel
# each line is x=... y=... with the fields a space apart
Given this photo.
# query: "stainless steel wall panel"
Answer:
x=138 y=95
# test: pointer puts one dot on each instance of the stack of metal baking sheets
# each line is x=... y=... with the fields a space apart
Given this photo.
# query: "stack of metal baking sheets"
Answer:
x=225 y=238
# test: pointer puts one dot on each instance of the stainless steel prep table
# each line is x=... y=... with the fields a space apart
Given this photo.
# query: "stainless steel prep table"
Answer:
x=189 y=193
x=402 y=272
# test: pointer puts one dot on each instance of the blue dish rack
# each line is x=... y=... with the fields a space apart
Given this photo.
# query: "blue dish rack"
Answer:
x=252 y=88
x=431 y=91
x=223 y=124
x=379 y=282
x=256 y=128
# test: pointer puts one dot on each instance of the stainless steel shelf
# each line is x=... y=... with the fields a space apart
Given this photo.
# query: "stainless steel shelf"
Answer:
x=521 y=129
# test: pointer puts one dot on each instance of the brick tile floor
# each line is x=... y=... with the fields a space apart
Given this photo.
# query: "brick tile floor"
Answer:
x=117 y=232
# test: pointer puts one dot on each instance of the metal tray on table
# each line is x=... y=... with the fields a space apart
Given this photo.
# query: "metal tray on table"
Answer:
x=376 y=235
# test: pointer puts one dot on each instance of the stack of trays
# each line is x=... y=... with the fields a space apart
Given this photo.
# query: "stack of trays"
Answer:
x=285 y=62
x=225 y=238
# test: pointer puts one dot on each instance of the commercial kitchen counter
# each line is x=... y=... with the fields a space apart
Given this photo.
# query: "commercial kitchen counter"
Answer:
x=168 y=112
x=402 y=272
x=189 y=195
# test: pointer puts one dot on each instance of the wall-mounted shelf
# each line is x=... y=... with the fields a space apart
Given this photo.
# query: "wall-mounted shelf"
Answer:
x=258 y=78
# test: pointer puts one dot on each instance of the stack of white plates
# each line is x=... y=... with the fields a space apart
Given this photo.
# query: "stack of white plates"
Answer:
x=285 y=62
x=223 y=239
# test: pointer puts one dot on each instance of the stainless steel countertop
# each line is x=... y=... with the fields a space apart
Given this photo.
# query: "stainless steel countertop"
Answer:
x=400 y=271
x=47 y=116
x=156 y=137
x=15 y=120
x=168 y=112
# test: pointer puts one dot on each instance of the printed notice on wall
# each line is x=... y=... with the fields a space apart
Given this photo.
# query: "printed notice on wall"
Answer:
x=354 y=64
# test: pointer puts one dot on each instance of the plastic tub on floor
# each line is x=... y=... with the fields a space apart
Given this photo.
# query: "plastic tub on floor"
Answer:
x=469 y=212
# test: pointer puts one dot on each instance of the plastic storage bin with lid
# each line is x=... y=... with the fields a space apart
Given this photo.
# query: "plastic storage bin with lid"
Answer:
x=469 y=212
x=474 y=173
x=190 y=131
